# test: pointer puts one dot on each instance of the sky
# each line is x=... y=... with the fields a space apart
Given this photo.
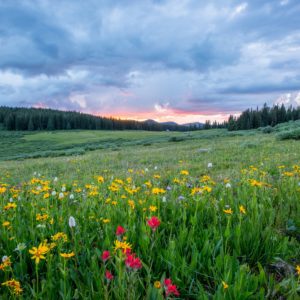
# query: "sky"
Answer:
x=176 y=60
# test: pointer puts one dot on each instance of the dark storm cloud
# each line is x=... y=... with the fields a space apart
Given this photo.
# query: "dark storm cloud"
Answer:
x=83 y=54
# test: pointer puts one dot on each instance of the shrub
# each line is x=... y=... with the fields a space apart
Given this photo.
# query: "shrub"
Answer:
x=289 y=135
x=267 y=129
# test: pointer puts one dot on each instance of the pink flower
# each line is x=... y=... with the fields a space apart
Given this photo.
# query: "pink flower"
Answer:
x=167 y=281
x=105 y=255
x=154 y=222
x=172 y=290
x=133 y=262
x=108 y=275
x=120 y=230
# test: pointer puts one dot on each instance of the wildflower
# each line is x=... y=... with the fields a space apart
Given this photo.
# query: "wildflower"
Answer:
x=61 y=195
x=228 y=211
x=225 y=285
x=133 y=262
x=67 y=255
x=105 y=221
x=20 y=247
x=157 y=191
x=6 y=262
x=71 y=197
x=14 y=285
x=122 y=245
x=72 y=222
x=154 y=222
x=184 y=172
x=105 y=255
x=39 y=252
x=157 y=284
x=171 y=289
x=100 y=179
x=209 y=165
x=298 y=269
x=108 y=275
x=153 y=208
x=167 y=281
x=242 y=209
x=10 y=206
x=5 y=224
x=228 y=185
x=120 y=230
x=53 y=193
x=40 y=217
x=59 y=236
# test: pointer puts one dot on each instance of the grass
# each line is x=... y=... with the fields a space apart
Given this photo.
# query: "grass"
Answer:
x=226 y=232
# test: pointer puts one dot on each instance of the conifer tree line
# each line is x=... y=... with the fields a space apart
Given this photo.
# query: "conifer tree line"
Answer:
x=267 y=116
x=49 y=119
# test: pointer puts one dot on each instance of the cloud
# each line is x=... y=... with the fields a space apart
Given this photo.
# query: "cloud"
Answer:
x=165 y=57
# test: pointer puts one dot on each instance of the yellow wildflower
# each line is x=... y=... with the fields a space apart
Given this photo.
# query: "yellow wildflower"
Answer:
x=14 y=285
x=122 y=245
x=225 y=285
x=67 y=255
x=39 y=252
x=228 y=211
x=184 y=172
x=242 y=209
x=153 y=208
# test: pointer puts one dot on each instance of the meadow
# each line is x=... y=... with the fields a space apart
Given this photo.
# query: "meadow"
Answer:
x=149 y=215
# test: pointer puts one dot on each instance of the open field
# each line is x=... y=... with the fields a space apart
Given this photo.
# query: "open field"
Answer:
x=230 y=231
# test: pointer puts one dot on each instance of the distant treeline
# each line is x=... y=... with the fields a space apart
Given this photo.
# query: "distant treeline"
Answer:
x=49 y=119
x=267 y=116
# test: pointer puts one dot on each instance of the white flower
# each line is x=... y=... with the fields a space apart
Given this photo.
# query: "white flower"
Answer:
x=164 y=199
x=11 y=200
x=72 y=222
x=39 y=188
x=228 y=185
x=4 y=258
x=20 y=247
x=209 y=165
x=39 y=174
x=34 y=173
x=61 y=195
x=41 y=226
x=55 y=179
x=53 y=193
x=71 y=196
x=146 y=170
x=155 y=168
x=63 y=189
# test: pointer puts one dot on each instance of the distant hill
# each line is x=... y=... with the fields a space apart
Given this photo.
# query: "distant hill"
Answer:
x=197 y=125
x=19 y=118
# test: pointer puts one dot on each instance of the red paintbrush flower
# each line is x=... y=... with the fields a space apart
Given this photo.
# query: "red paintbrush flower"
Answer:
x=105 y=255
x=167 y=281
x=108 y=275
x=153 y=222
x=172 y=290
x=133 y=262
x=120 y=230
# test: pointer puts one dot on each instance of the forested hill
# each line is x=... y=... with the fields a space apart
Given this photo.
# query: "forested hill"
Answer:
x=267 y=116
x=49 y=119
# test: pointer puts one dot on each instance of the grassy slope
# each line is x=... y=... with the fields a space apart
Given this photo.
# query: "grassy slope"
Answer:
x=228 y=153
x=196 y=266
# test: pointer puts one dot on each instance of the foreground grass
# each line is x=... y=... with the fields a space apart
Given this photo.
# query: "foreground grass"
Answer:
x=226 y=232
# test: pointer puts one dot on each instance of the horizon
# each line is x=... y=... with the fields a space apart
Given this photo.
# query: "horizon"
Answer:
x=123 y=58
